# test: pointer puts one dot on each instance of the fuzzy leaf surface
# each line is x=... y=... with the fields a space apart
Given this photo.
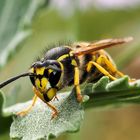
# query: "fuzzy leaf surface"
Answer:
x=38 y=124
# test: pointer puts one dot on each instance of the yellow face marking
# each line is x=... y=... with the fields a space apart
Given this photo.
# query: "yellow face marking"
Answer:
x=40 y=70
x=42 y=85
x=37 y=83
x=50 y=70
x=51 y=93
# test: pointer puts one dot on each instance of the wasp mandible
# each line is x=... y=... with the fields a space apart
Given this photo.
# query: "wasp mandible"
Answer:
x=67 y=65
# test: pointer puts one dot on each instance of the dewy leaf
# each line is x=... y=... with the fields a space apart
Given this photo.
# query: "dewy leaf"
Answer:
x=37 y=124
x=15 y=17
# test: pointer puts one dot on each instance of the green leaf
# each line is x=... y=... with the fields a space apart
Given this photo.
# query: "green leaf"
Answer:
x=1 y=102
x=10 y=99
x=4 y=122
x=111 y=94
x=19 y=14
x=37 y=124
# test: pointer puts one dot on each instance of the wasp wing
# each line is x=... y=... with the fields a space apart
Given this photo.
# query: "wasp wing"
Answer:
x=100 y=45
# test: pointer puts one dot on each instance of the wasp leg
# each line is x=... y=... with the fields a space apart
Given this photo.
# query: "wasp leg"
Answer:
x=26 y=111
x=112 y=68
x=100 y=68
x=76 y=84
x=56 y=98
x=55 y=112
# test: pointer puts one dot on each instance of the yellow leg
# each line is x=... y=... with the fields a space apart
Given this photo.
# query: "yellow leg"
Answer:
x=26 y=111
x=110 y=65
x=55 y=98
x=112 y=68
x=100 y=68
x=76 y=84
x=55 y=112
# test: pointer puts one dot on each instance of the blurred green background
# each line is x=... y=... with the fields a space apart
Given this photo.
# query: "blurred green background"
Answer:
x=78 y=21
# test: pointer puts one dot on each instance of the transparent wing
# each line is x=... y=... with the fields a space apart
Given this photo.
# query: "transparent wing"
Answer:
x=106 y=43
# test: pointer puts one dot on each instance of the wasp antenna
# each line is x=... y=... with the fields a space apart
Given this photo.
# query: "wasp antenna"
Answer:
x=15 y=78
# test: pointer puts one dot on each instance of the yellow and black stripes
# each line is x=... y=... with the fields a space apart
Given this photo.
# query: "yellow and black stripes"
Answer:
x=73 y=70
x=50 y=94
x=70 y=64
x=61 y=67
x=56 y=53
x=101 y=64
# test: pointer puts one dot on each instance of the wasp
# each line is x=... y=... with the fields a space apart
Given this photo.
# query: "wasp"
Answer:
x=67 y=65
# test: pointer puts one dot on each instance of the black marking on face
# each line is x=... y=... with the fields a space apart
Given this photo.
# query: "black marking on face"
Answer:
x=40 y=83
x=46 y=73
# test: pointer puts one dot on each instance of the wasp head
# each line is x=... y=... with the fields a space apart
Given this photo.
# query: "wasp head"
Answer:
x=46 y=75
